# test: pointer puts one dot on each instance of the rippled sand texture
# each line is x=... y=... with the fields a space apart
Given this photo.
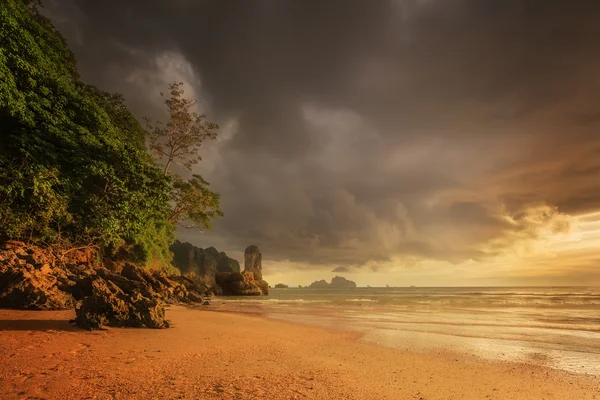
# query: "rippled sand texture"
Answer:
x=213 y=355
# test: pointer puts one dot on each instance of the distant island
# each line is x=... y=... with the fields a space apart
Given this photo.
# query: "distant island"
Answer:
x=281 y=286
x=336 y=282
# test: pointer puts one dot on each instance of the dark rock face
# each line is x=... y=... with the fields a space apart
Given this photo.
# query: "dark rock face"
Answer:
x=120 y=301
x=224 y=263
x=29 y=282
x=241 y=284
x=30 y=278
x=195 y=263
x=28 y=288
x=248 y=282
x=227 y=264
x=336 y=282
x=201 y=265
x=253 y=261
x=341 y=282
x=281 y=286
x=220 y=274
x=322 y=284
x=134 y=298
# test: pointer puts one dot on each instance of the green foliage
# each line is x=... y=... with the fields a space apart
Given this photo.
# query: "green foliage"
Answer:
x=74 y=168
x=30 y=202
x=152 y=247
x=119 y=114
x=72 y=160
x=193 y=201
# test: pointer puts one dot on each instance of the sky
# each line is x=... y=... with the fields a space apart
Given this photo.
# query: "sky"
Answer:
x=401 y=142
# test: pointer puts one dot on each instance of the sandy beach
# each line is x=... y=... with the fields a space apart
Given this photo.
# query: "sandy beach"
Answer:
x=214 y=355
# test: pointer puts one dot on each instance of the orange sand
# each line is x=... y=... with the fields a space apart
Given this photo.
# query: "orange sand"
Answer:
x=211 y=355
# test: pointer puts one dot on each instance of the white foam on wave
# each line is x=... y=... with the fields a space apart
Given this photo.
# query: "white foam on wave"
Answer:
x=262 y=300
x=363 y=300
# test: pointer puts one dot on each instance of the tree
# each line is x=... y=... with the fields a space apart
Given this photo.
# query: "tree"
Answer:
x=178 y=142
x=193 y=201
x=74 y=168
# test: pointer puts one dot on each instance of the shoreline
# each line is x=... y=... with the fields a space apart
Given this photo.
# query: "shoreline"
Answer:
x=227 y=355
x=501 y=334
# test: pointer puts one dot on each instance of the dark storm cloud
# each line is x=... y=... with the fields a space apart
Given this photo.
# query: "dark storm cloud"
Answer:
x=341 y=269
x=370 y=130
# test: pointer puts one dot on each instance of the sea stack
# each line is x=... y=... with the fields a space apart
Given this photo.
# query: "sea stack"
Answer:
x=253 y=261
x=249 y=282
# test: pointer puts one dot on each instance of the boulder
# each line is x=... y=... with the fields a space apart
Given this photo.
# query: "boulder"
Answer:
x=134 y=298
x=170 y=290
x=110 y=305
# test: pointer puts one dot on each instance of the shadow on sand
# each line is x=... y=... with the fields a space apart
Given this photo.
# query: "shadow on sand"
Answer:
x=36 y=325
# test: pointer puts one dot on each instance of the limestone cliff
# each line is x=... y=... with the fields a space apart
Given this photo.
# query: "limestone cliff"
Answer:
x=248 y=282
x=201 y=265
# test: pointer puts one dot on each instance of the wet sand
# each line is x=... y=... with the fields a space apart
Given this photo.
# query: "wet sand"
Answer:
x=213 y=355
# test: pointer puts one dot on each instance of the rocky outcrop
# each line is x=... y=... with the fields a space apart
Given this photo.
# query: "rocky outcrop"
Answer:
x=120 y=294
x=113 y=300
x=29 y=280
x=194 y=263
x=341 y=282
x=322 y=284
x=224 y=263
x=248 y=282
x=253 y=261
x=336 y=282
x=29 y=287
x=241 y=284
x=32 y=278
x=218 y=273
x=201 y=265
x=281 y=286
x=134 y=298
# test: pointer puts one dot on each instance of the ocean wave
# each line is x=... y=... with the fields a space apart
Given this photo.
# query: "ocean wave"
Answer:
x=363 y=300
x=270 y=301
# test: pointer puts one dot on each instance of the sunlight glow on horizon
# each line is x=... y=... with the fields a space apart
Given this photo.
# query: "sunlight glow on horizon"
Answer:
x=558 y=259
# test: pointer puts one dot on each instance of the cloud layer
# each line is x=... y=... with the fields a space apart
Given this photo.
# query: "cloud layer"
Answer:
x=370 y=136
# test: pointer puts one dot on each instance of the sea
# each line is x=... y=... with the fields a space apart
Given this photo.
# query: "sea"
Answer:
x=556 y=327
